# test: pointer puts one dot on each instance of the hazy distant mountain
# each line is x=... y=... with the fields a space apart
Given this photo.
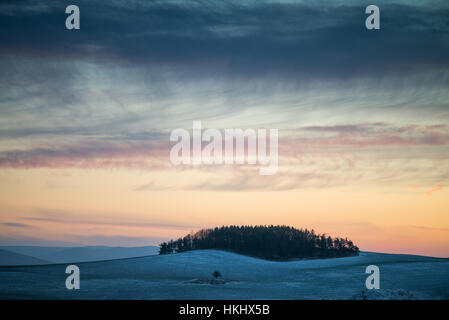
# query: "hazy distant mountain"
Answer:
x=81 y=254
x=9 y=258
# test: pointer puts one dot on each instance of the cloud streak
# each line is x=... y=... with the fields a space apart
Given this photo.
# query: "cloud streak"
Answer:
x=369 y=135
x=16 y=225
x=151 y=152
x=68 y=217
x=433 y=190
x=91 y=154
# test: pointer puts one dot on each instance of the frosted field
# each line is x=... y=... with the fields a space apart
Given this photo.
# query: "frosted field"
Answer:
x=167 y=277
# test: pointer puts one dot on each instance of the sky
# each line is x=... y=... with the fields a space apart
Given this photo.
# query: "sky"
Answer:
x=362 y=116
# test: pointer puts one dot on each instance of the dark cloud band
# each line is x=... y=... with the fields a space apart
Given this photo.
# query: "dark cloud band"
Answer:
x=291 y=40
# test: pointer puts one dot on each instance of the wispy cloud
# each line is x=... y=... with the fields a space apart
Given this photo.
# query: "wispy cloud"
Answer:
x=433 y=190
x=16 y=225
x=91 y=154
x=100 y=219
x=147 y=152
x=431 y=228
x=381 y=134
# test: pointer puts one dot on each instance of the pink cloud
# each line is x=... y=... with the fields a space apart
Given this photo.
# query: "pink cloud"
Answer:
x=340 y=140
x=433 y=190
x=91 y=154
x=328 y=138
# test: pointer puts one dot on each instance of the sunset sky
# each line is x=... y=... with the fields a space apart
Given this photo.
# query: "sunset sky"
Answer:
x=86 y=116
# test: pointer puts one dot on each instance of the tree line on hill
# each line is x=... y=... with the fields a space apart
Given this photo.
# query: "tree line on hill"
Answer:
x=268 y=242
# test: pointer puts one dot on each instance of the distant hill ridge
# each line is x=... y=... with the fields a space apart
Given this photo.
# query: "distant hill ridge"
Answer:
x=268 y=242
x=9 y=258
x=45 y=255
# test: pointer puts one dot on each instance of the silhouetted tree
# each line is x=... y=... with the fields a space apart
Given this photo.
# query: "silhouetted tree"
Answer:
x=164 y=248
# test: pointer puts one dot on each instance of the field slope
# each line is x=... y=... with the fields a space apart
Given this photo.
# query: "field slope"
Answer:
x=171 y=276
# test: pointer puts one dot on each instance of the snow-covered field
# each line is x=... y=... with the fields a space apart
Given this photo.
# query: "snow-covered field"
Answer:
x=168 y=277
